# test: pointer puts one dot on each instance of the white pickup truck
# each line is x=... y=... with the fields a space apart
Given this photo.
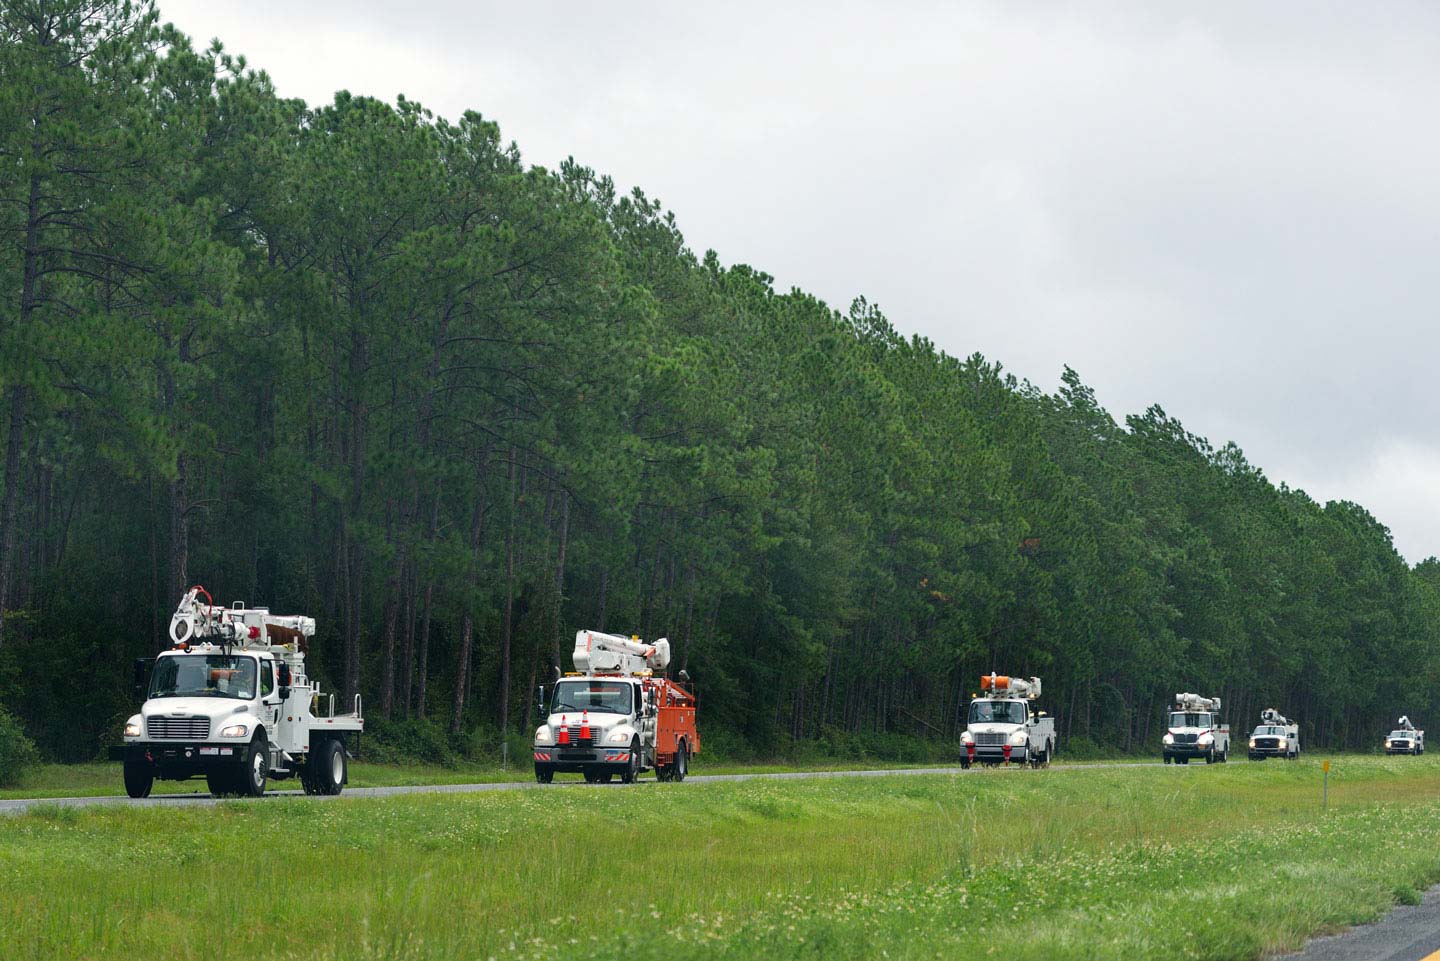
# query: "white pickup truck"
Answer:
x=1004 y=726
x=1276 y=736
x=1196 y=731
x=1405 y=739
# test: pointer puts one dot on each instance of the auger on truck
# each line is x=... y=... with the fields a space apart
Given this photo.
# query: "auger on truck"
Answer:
x=1277 y=736
x=1195 y=730
x=231 y=701
x=1004 y=725
x=617 y=714
x=1405 y=739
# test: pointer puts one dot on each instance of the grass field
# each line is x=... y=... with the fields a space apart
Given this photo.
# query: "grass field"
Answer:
x=102 y=778
x=1138 y=862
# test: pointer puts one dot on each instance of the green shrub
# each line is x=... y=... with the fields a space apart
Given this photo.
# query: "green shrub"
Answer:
x=409 y=741
x=17 y=752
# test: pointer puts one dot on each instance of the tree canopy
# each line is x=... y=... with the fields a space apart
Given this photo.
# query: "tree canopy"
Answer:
x=362 y=362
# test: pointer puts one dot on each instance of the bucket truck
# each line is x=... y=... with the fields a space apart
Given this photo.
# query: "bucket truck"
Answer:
x=616 y=714
x=230 y=700
x=1195 y=730
x=1277 y=736
x=1405 y=739
x=1003 y=724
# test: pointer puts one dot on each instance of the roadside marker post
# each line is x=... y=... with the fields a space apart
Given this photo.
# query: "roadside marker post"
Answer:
x=1325 y=787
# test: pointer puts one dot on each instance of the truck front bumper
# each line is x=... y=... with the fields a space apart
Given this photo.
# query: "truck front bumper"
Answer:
x=179 y=760
x=993 y=754
x=564 y=759
x=1188 y=750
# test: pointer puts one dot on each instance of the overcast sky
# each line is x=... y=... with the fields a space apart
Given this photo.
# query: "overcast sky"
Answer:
x=1227 y=209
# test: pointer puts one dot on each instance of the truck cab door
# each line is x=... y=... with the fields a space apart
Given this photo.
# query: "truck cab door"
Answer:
x=271 y=705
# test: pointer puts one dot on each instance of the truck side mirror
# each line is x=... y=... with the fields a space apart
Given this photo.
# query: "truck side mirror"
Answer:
x=540 y=704
x=139 y=678
x=285 y=679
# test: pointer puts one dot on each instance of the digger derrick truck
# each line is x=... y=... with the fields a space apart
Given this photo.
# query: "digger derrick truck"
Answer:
x=1003 y=725
x=1405 y=739
x=231 y=701
x=616 y=714
x=1196 y=731
x=1277 y=736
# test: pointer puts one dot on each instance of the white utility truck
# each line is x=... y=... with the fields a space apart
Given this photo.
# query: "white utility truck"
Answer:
x=1405 y=739
x=1276 y=736
x=1004 y=726
x=617 y=714
x=231 y=701
x=1195 y=730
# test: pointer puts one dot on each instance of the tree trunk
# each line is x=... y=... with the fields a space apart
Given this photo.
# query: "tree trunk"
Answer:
x=10 y=499
x=467 y=624
x=506 y=625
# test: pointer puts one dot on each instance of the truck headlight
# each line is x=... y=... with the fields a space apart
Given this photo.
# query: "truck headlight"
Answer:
x=618 y=737
x=543 y=735
x=1282 y=743
x=1205 y=738
x=1252 y=742
x=234 y=730
x=1168 y=739
x=966 y=737
x=132 y=729
x=1018 y=738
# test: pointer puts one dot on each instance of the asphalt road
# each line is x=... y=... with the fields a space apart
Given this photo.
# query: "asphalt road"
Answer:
x=1405 y=934
x=20 y=805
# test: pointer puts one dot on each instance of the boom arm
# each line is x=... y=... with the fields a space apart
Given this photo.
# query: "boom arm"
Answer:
x=241 y=626
x=595 y=652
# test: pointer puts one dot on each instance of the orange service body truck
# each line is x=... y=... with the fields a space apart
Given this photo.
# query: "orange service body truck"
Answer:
x=618 y=715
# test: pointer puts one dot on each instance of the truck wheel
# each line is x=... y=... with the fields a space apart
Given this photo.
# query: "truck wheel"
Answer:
x=544 y=775
x=139 y=779
x=632 y=770
x=328 y=767
x=1168 y=759
x=681 y=767
x=253 y=775
x=221 y=781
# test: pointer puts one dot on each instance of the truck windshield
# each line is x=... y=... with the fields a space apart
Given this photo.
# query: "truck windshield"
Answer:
x=610 y=696
x=204 y=675
x=1186 y=719
x=1404 y=735
x=997 y=712
x=1269 y=730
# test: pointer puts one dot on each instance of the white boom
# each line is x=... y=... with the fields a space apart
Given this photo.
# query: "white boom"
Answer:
x=1404 y=723
x=239 y=626
x=611 y=653
x=1194 y=702
x=1272 y=716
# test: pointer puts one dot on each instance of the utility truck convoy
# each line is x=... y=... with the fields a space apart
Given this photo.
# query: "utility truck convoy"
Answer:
x=1405 y=739
x=617 y=714
x=1195 y=730
x=230 y=700
x=1003 y=725
x=1277 y=736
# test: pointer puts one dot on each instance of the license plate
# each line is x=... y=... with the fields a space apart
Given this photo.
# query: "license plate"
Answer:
x=209 y=750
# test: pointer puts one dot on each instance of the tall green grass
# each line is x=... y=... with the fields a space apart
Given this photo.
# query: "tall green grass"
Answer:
x=1198 y=862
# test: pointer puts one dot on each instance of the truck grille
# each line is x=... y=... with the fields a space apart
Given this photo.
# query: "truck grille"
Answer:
x=574 y=730
x=1269 y=742
x=179 y=728
x=1185 y=738
x=989 y=739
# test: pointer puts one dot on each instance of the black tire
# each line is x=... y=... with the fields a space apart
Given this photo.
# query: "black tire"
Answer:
x=681 y=767
x=965 y=764
x=1168 y=759
x=222 y=780
x=592 y=777
x=1182 y=760
x=256 y=769
x=544 y=775
x=632 y=770
x=139 y=779
x=328 y=767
